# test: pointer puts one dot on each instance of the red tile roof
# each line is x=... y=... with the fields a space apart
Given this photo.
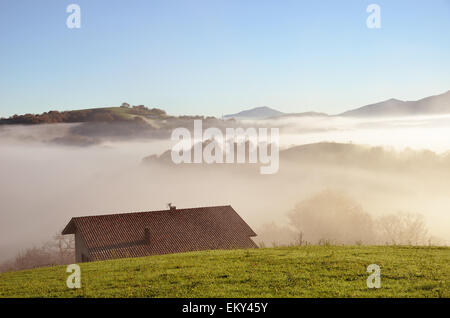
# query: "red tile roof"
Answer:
x=171 y=231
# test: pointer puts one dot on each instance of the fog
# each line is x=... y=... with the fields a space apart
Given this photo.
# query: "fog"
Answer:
x=44 y=183
x=419 y=132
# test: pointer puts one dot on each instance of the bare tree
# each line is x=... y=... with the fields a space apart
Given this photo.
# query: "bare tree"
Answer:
x=60 y=250
x=62 y=247
x=403 y=228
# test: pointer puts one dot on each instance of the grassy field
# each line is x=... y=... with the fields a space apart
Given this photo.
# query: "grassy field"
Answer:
x=310 y=271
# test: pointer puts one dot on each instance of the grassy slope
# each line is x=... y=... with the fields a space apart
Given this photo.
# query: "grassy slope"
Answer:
x=125 y=113
x=312 y=271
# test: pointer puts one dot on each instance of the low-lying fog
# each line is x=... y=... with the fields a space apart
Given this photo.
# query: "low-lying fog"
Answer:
x=420 y=132
x=43 y=185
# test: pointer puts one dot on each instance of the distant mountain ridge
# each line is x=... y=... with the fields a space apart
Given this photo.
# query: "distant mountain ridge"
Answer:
x=256 y=113
x=432 y=105
x=265 y=112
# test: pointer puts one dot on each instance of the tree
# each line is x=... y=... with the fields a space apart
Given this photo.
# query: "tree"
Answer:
x=333 y=217
x=402 y=228
x=60 y=250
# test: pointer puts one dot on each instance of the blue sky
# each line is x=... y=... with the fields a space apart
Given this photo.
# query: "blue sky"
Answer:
x=216 y=57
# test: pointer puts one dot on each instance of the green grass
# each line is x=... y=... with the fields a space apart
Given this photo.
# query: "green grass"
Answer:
x=311 y=271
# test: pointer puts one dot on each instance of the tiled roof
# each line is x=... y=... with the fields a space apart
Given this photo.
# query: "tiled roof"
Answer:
x=171 y=231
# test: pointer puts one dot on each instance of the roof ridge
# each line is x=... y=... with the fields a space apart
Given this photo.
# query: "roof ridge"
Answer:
x=166 y=210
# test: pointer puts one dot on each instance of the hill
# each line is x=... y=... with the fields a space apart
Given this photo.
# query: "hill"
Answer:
x=342 y=154
x=304 y=271
x=433 y=105
x=106 y=114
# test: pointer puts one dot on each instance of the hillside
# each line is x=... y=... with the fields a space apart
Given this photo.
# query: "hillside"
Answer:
x=307 y=271
x=106 y=114
x=341 y=154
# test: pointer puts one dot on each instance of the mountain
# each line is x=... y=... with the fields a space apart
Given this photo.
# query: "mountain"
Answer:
x=305 y=114
x=267 y=112
x=433 y=105
x=256 y=113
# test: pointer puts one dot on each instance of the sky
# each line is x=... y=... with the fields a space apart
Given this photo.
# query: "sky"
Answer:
x=215 y=57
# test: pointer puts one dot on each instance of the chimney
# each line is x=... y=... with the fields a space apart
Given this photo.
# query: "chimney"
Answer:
x=171 y=207
x=147 y=235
